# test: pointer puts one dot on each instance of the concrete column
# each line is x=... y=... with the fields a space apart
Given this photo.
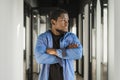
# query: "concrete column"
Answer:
x=85 y=41
x=111 y=38
x=98 y=41
x=117 y=39
x=12 y=39
x=114 y=40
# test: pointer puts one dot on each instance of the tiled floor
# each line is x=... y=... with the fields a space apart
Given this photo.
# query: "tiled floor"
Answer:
x=77 y=77
x=103 y=71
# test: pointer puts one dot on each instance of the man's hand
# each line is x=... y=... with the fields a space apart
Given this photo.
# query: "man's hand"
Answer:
x=72 y=46
x=51 y=51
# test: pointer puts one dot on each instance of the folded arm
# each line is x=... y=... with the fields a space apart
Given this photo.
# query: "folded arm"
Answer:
x=41 y=56
x=73 y=51
x=70 y=53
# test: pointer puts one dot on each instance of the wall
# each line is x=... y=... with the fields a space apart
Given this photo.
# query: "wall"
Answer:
x=117 y=38
x=12 y=35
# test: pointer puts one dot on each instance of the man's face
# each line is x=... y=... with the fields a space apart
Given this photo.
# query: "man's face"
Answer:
x=62 y=22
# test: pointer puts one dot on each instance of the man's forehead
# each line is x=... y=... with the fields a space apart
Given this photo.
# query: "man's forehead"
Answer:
x=64 y=15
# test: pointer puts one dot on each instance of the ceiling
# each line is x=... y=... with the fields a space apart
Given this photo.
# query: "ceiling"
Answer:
x=72 y=6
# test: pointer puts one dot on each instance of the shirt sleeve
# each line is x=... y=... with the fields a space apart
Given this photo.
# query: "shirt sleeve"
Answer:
x=72 y=53
x=40 y=53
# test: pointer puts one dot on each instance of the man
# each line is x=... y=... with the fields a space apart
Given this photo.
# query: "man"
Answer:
x=57 y=48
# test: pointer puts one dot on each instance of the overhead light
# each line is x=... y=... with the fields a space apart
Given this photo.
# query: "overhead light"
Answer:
x=34 y=16
x=47 y=16
x=105 y=4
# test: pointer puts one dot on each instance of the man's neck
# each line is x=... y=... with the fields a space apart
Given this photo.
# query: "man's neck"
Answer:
x=55 y=32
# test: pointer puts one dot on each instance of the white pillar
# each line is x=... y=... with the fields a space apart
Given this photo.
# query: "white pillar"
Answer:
x=28 y=42
x=11 y=40
x=98 y=42
x=114 y=40
x=111 y=51
x=85 y=41
x=117 y=39
x=80 y=35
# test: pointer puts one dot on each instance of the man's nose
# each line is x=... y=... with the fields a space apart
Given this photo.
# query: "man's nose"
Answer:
x=66 y=21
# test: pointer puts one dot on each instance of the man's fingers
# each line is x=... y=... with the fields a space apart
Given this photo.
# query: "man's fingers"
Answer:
x=73 y=46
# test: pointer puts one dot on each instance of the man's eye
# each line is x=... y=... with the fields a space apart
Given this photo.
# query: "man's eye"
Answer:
x=62 y=20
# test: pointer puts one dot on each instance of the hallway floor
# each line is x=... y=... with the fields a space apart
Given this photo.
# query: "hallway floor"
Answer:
x=35 y=77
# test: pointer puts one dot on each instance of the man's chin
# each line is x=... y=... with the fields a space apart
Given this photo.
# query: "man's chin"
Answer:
x=65 y=30
x=61 y=31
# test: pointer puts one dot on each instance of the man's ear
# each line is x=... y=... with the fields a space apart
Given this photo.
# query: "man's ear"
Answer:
x=53 y=22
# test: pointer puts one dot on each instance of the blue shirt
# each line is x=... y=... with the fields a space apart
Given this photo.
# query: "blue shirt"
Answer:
x=66 y=56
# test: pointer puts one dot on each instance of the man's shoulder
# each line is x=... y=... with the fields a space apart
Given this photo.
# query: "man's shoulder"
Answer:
x=70 y=34
x=44 y=34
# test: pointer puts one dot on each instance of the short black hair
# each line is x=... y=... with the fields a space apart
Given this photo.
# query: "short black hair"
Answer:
x=54 y=14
